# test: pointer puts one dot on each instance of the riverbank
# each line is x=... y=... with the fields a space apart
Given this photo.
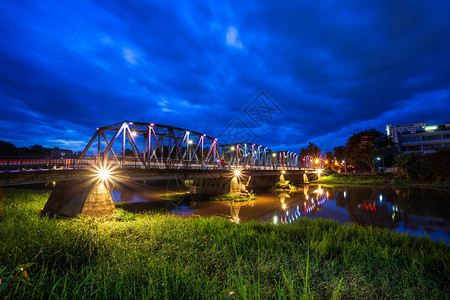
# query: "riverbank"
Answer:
x=149 y=254
x=388 y=179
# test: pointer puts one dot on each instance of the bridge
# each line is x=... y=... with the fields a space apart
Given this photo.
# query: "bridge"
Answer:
x=159 y=147
x=139 y=151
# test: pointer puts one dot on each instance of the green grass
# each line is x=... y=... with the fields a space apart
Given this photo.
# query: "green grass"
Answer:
x=235 y=197
x=352 y=179
x=378 y=179
x=174 y=196
x=150 y=255
x=283 y=186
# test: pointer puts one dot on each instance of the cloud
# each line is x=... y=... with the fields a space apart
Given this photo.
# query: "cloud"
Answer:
x=233 y=38
x=130 y=55
x=332 y=67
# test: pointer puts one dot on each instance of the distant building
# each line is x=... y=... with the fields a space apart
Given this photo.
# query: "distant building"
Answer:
x=56 y=152
x=395 y=131
x=425 y=140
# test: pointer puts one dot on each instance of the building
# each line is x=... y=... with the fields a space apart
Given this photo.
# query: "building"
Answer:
x=394 y=131
x=426 y=140
x=56 y=152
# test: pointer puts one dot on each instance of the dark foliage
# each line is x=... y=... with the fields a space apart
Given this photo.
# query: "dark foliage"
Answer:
x=427 y=167
x=363 y=147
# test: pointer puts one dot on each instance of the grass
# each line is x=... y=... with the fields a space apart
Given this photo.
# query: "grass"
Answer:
x=378 y=179
x=174 y=196
x=235 y=197
x=283 y=186
x=150 y=255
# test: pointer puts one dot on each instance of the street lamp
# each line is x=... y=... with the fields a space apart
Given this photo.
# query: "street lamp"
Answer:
x=382 y=160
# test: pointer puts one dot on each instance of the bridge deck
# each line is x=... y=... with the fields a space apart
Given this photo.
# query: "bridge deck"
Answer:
x=45 y=175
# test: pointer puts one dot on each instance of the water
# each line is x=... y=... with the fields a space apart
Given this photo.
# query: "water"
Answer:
x=418 y=211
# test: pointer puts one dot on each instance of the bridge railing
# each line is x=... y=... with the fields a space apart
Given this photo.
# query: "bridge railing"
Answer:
x=35 y=163
x=41 y=163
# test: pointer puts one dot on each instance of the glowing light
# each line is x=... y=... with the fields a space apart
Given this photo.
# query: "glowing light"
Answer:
x=430 y=128
x=232 y=148
x=345 y=194
x=316 y=161
x=319 y=171
x=237 y=173
x=283 y=206
x=283 y=172
x=190 y=142
x=134 y=133
x=378 y=158
x=326 y=161
x=274 y=154
x=187 y=132
x=275 y=220
x=152 y=124
x=381 y=198
x=103 y=174
x=336 y=163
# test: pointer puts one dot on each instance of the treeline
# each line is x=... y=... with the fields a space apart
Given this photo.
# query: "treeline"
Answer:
x=425 y=167
x=9 y=149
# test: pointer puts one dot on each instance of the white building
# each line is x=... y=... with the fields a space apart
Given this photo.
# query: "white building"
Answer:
x=395 y=131
x=426 y=140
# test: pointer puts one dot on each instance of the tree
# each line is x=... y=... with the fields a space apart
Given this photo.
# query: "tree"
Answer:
x=363 y=147
x=329 y=157
x=7 y=148
x=339 y=153
x=37 y=150
x=312 y=150
x=409 y=165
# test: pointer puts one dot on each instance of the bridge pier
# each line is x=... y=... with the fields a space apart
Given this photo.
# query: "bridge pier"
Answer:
x=74 y=198
x=305 y=178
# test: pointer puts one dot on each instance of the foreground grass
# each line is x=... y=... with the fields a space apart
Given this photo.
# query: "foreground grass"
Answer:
x=152 y=255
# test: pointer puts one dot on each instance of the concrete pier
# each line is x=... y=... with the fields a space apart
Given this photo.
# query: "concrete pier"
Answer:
x=74 y=198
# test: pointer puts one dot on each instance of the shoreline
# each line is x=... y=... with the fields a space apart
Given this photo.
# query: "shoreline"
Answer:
x=377 y=180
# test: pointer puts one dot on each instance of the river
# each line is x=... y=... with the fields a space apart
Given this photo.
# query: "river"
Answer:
x=417 y=211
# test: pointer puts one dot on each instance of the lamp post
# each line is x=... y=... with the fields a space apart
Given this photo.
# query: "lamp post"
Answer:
x=382 y=161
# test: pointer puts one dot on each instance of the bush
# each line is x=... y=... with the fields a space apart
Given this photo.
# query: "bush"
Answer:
x=433 y=167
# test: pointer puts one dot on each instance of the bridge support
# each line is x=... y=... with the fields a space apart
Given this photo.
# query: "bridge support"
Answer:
x=74 y=198
x=305 y=178
x=219 y=186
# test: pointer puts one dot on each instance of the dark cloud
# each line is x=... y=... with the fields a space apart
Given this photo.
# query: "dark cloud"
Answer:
x=332 y=67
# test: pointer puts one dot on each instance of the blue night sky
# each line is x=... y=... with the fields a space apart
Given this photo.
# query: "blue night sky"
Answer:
x=331 y=68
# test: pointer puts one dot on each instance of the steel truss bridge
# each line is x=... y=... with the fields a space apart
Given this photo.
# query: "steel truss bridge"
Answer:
x=168 y=147
x=155 y=146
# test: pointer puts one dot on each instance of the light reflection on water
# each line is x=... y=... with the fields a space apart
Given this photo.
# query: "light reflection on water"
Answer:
x=410 y=210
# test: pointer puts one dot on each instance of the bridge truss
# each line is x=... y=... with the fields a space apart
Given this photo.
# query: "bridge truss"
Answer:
x=152 y=145
x=148 y=145
x=248 y=154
